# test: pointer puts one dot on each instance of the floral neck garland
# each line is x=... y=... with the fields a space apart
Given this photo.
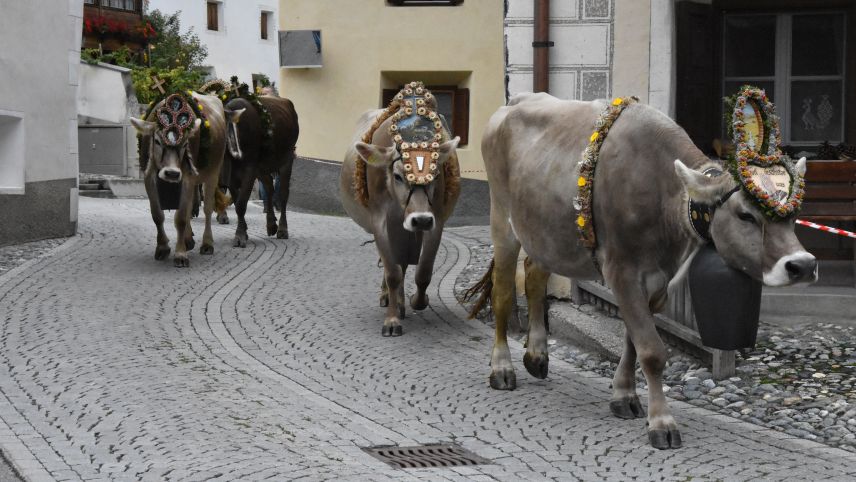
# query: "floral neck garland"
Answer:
x=585 y=181
x=175 y=112
x=421 y=154
x=761 y=170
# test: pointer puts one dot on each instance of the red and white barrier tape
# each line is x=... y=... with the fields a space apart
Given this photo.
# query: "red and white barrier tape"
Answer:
x=828 y=229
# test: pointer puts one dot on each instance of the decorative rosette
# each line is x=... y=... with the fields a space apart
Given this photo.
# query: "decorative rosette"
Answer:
x=758 y=158
x=419 y=156
x=585 y=180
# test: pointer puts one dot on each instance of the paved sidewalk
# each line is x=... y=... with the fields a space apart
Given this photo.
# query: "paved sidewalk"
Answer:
x=267 y=363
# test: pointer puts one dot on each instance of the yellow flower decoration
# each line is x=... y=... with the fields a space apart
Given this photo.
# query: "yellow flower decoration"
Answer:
x=581 y=221
x=581 y=181
x=200 y=106
x=617 y=101
x=223 y=97
x=594 y=136
x=207 y=123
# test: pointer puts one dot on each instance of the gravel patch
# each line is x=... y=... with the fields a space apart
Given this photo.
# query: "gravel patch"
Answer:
x=17 y=254
x=800 y=380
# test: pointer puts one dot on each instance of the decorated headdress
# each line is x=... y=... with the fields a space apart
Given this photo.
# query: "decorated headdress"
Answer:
x=417 y=130
x=175 y=118
x=768 y=177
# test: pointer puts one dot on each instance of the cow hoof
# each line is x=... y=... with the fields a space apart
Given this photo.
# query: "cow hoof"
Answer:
x=416 y=305
x=392 y=330
x=271 y=229
x=536 y=365
x=161 y=253
x=627 y=408
x=282 y=234
x=665 y=439
x=239 y=242
x=206 y=249
x=503 y=379
x=223 y=218
x=189 y=244
x=181 y=262
x=384 y=300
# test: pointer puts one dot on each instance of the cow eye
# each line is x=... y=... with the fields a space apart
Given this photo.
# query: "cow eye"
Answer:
x=398 y=177
x=746 y=217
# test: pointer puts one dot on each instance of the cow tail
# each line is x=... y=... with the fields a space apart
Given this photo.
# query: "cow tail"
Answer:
x=483 y=289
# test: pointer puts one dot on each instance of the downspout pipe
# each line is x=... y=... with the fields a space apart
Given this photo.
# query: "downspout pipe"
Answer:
x=541 y=44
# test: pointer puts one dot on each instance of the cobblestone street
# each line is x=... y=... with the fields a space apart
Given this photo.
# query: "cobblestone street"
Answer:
x=268 y=363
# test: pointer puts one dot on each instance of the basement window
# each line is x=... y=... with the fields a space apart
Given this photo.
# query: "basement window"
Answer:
x=11 y=152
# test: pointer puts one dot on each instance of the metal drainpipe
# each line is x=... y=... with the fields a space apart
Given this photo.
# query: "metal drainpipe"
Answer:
x=541 y=44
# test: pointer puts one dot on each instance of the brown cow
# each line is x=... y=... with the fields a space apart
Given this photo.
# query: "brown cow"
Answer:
x=400 y=182
x=183 y=143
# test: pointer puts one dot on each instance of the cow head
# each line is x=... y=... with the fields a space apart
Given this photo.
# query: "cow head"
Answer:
x=169 y=137
x=762 y=247
x=415 y=199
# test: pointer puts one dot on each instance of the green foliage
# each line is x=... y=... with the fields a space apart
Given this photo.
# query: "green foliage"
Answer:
x=177 y=79
x=172 y=49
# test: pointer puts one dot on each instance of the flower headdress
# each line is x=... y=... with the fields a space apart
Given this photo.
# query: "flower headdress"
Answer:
x=417 y=131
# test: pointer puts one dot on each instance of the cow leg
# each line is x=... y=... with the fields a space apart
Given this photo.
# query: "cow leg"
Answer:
x=243 y=192
x=267 y=180
x=625 y=402
x=536 y=359
x=384 y=292
x=162 y=249
x=394 y=277
x=663 y=431
x=425 y=268
x=209 y=193
x=400 y=294
x=506 y=248
x=189 y=242
x=223 y=216
x=182 y=222
x=284 y=187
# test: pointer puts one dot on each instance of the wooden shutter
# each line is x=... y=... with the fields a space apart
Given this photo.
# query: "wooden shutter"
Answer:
x=264 y=26
x=462 y=115
x=697 y=98
x=386 y=97
x=212 y=16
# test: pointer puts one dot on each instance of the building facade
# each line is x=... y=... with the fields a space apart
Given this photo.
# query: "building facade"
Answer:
x=240 y=34
x=38 y=118
x=366 y=50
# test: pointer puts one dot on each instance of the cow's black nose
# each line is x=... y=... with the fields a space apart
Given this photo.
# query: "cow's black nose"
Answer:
x=801 y=269
x=422 y=223
x=171 y=175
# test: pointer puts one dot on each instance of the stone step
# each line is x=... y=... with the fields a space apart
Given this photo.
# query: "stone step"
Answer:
x=99 y=193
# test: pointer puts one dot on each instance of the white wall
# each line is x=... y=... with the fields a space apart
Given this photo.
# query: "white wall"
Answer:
x=237 y=48
x=105 y=93
x=39 y=60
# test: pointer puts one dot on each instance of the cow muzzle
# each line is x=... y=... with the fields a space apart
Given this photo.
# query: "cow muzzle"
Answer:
x=170 y=174
x=800 y=267
x=419 y=222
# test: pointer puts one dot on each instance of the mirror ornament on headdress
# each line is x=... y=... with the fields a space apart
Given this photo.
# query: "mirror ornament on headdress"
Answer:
x=417 y=131
x=767 y=176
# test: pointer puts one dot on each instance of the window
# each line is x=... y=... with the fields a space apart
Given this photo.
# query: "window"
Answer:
x=213 y=16
x=89 y=2
x=265 y=18
x=798 y=58
x=11 y=152
x=129 y=5
x=424 y=3
x=453 y=104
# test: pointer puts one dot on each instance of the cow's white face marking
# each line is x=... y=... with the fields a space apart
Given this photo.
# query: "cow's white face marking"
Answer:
x=420 y=160
x=784 y=272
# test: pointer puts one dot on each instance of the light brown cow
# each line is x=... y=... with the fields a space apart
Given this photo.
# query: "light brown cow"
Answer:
x=401 y=186
x=175 y=150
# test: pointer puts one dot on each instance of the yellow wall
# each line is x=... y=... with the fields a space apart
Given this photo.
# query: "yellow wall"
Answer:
x=368 y=45
x=631 y=62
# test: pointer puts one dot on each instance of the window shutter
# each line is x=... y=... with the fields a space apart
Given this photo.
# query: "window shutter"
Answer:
x=462 y=115
x=386 y=97
x=212 y=16
x=697 y=98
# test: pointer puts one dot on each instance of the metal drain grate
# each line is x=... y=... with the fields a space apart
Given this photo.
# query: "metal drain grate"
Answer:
x=426 y=456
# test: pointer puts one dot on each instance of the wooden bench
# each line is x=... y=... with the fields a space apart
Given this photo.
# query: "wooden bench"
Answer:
x=830 y=198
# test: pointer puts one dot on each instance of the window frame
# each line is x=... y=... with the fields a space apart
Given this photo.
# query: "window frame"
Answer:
x=782 y=77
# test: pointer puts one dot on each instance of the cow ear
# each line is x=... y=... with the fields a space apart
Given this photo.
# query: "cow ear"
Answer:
x=234 y=116
x=375 y=155
x=447 y=148
x=195 y=129
x=143 y=127
x=701 y=188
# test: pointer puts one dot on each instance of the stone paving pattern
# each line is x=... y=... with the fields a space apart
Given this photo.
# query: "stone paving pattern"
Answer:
x=267 y=363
